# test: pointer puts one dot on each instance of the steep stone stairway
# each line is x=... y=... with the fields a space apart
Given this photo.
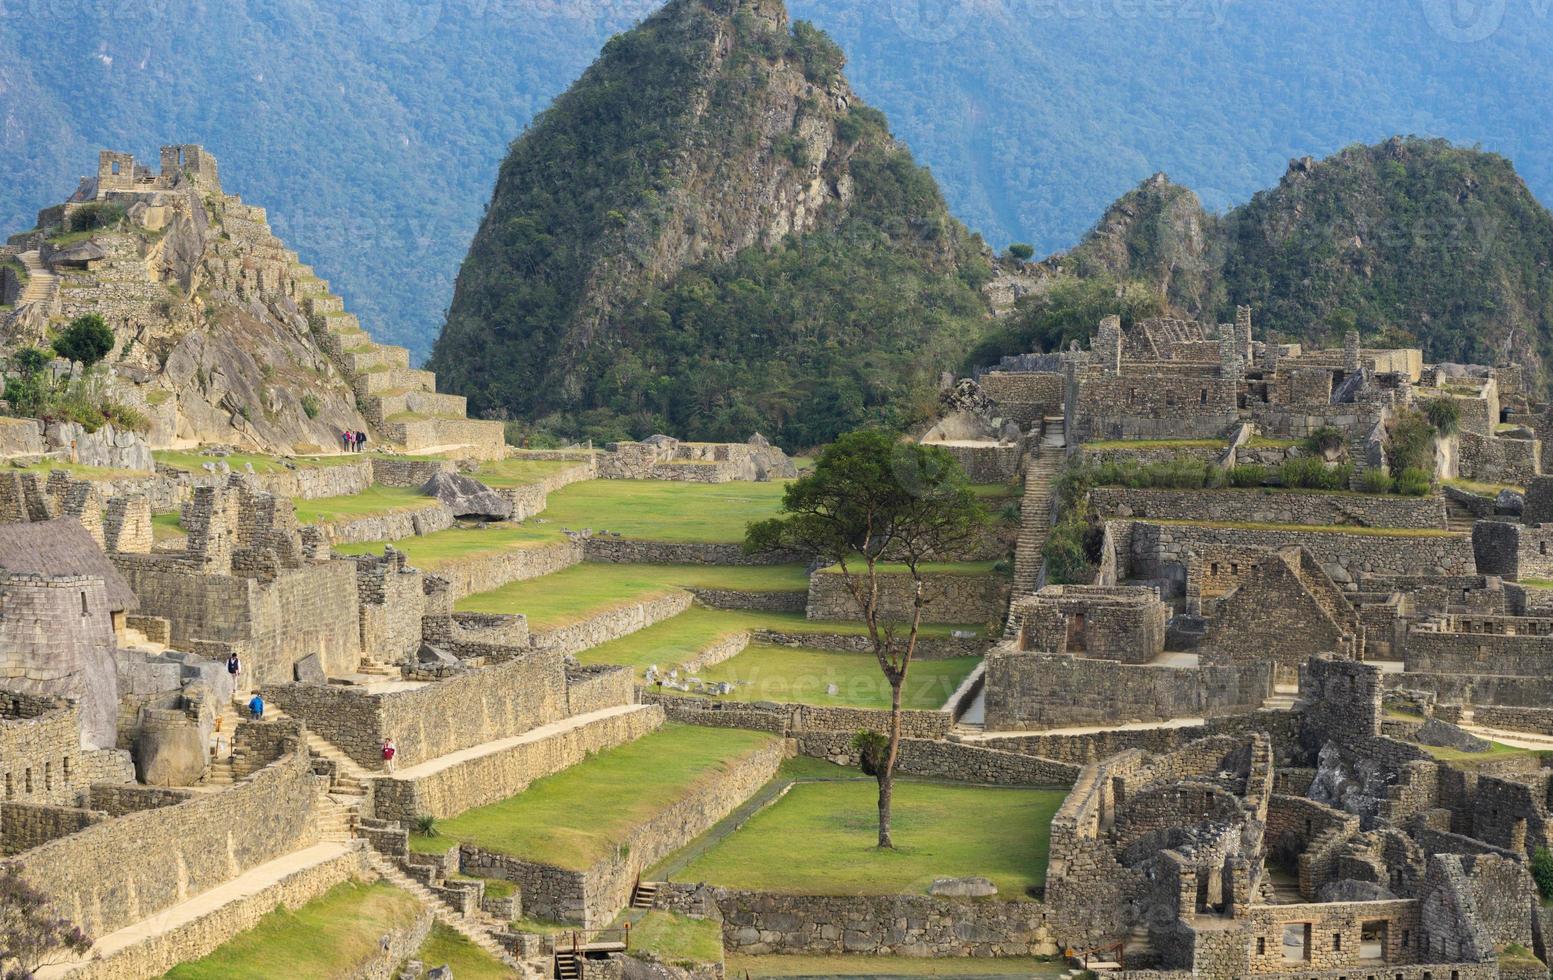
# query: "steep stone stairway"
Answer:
x=477 y=928
x=1458 y=518
x=1041 y=468
x=41 y=283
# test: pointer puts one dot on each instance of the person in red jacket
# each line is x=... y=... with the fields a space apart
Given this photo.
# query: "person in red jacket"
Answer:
x=389 y=751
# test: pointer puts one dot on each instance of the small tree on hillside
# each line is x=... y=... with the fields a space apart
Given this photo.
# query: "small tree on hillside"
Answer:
x=88 y=340
x=869 y=501
x=31 y=935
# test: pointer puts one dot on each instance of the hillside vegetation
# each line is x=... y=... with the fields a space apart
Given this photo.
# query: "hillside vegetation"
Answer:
x=710 y=234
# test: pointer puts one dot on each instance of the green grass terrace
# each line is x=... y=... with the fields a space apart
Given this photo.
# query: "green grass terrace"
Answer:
x=573 y=594
x=674 y=641
x=328 y=937
x=578 y=817
x=820 y=839
x=518 y=471
x=776 y=673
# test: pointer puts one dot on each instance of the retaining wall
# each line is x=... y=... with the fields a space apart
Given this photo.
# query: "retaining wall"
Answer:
x=950 y=598
x=1272 y=507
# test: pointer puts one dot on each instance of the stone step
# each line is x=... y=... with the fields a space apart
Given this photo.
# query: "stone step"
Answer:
x=374 y=357
x=374 y=383
x=401 y=406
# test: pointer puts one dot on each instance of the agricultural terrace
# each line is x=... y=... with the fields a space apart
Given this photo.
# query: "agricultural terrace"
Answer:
x=820 y=839
x=577 y=817
x=822 y=677
x=573 y=594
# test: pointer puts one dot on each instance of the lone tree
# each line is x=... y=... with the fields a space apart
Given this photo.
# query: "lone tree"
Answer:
x=88 y=340
x=872 y=506
x=31 y=936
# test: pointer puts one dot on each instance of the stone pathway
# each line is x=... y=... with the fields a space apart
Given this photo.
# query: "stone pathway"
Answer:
x=249 y=883
x=476 y=928
x=1041 y=468
x=41 y=283
x=1135 y=726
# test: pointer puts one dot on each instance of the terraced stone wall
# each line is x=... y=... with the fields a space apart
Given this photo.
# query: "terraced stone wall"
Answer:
x=950 y=598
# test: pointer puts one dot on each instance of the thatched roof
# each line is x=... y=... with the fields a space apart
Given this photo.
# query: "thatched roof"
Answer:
x=62 y=547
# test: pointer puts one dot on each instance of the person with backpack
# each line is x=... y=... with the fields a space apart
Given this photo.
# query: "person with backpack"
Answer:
x=389 y=751
x=256 y=707
x=361 y=442
x=234 y=666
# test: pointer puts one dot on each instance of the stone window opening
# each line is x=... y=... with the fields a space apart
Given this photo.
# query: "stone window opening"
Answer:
x=1215 y=567
x=1337 y=942
x=1542 y=546
x=27 y=781
x=1203 y=400
x=10 y=791
x=115 y=167
x=1234 y=568
x=1405 y=937
x=1261 y=945
x=64 y=769
x=1296 y=942
x=48 y=776
x=83 y=604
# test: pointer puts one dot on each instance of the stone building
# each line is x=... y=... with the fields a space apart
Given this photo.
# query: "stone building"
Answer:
x=1123 y=623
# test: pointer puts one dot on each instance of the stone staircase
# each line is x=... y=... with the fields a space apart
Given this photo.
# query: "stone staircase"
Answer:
x=42 y=285
x=478 y=928
x=1041 y=468
x=1458 y=518
x=401 y=401
x=644 y=895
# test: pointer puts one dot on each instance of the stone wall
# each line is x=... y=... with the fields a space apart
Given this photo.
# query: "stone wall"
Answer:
x=762 y=923
x=950 y=598
x=304 y=611
x=484 y=573
x=762 y=601
x=24 y=826
x=1477 y=653
x=1283 y=726
x=1160 y=551
x=590 y=689
x=1513 y=550
x=1495 y=460
x=200 y=936
x=41 y=758
x=499 y=701
x=928 y=647
x=1146 y=452
x=628 y=551
x=394 y=525
x=1272 y=506
x=1031 y=691
x=954 y=761
x=107 y=877
x=593 y=896
x=390 y=472
x=119 y=799
x=57 y=638
x=1026 y=397
x=505 y=772
x=795 y=719
x=611 y=624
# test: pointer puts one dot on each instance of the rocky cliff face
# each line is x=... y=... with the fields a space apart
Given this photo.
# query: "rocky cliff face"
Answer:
x=713 y=136
x=206 y=307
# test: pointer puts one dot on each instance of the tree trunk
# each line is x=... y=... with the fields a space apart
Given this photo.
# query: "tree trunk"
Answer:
x=887 y=771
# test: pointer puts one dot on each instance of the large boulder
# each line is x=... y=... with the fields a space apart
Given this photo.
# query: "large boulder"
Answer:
x=468 y=497
x=169 y=751
x=1448 y=736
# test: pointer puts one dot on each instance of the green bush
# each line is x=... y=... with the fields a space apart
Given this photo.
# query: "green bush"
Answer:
x=1375 y=481
x=1249 y=475
x=94 y=216
x=310 y=405
x=1067 y=553
x=425 y=825
x=1325 y=440
x=1311 y=473
x=1415 y=482
x=1021 y=251
x=1542 y=871
x=1445 y=415
x=87 y=340
x=1411 y=445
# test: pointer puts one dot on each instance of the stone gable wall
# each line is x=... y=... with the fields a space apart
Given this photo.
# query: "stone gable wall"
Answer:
x=1272 y=507
x=107 y=877
x=497 y=775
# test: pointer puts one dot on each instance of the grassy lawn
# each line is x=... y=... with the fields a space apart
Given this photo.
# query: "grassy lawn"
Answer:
x=517 y=471
x=1486 y=489
x=79 y=472
x=1496 y=750
x=772 y=673
x=658 y=510
x=446 y=947
x=676 y=640
x=579 y=816
x=1537 y=583
x=676 y=939
x=429 y=551
x=891 y=966
x=373 y=500
x=165 y=526
x=325 y=938
x=1266 y=442
x=819 y=839
x=1374 y=532
x=575 y=593
x=261 y=464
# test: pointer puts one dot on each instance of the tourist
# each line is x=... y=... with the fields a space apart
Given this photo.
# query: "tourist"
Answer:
x=389 y=751
x=256 y=707
x=346 y=439
x=234 y=666
x=361 y=442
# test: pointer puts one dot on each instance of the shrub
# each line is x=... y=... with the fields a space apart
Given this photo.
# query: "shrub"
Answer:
x=1310 y=473
x=310 y=405
x=1325 y=440
x=92 y=216
x=1415 y=482
x=1021 y=251
x=123 y=417
x=87 y=340
x=1375 y=481
x=1445 y=415
x=1411 y=446
x=426 y=825
x=871 y=748
x=1067 y=553
x=1542 y=871
x=1250 y=475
